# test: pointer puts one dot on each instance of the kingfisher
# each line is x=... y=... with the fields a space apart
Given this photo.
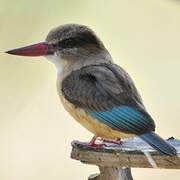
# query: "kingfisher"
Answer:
x=98 y=93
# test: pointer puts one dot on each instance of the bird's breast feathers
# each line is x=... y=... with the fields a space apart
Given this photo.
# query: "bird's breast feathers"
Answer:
x=93 y=125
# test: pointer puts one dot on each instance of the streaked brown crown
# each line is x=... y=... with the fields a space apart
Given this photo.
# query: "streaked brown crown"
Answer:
x=73 y=35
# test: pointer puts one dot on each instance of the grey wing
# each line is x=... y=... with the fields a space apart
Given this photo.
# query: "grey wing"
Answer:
x=104 y=85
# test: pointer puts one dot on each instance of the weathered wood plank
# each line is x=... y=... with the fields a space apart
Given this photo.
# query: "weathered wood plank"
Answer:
x=132 y=153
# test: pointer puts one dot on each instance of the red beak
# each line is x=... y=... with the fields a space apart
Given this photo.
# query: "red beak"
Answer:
x=40 y=49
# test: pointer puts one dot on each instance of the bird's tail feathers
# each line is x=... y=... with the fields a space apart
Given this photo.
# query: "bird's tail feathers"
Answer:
x=158 y=143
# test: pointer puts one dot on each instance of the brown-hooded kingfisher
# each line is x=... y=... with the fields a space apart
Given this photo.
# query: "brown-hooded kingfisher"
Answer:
x=99 y=94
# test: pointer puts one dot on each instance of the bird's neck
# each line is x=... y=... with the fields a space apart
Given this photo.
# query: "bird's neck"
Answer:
x=66 y=66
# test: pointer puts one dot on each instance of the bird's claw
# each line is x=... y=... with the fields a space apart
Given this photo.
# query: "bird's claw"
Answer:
x=112 y=141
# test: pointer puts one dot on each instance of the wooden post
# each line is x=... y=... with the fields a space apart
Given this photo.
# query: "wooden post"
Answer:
x=112 y=173
x=115 y=161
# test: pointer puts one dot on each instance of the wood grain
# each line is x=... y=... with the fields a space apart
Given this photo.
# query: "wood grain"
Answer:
x=115 y=161
x=132 y=153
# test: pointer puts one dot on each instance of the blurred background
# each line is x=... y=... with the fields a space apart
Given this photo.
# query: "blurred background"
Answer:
x=35 y=131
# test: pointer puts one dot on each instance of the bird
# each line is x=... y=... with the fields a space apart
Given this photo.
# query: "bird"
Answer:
x=97 y=93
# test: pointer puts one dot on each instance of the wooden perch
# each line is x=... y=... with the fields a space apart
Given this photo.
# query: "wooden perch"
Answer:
x=115 y=161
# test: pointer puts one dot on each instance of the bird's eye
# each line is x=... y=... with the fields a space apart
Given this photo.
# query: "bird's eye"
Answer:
x=68 y=43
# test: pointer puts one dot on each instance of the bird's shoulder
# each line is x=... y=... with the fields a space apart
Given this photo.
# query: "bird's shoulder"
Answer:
x=104 y=83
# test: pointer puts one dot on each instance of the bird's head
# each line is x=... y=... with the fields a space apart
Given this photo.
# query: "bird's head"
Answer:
x=66 y=44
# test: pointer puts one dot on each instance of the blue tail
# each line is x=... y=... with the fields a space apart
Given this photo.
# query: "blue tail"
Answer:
x=158 y=143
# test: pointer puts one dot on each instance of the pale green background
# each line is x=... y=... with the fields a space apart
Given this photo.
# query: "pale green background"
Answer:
x=35 y=132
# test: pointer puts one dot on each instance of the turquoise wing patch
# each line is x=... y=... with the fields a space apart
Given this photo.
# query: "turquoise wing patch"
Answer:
x=125 y=119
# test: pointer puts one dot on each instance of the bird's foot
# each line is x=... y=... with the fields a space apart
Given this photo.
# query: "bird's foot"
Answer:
x=117 y=141
x=93 y=143
x=101 y=143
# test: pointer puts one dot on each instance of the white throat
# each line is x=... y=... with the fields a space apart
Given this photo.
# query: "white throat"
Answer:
x=58 y=62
